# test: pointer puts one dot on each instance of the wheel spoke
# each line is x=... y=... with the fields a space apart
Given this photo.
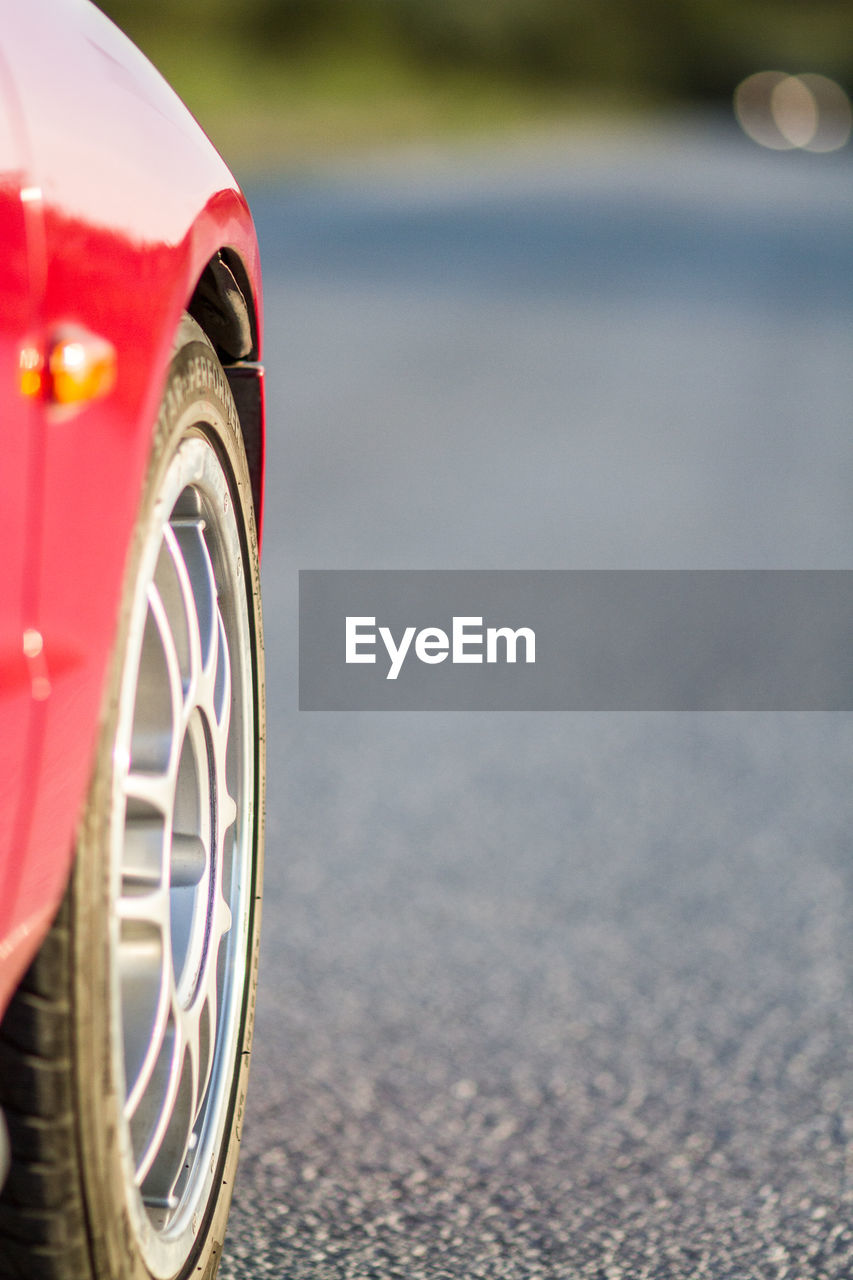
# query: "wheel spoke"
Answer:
x=164 y=1120
x=153 y=789
x=146 y=996
x=142 y=859
x=171 y=1139
x=222 y=679
x=186 y=542
x=146 y=908
x=160 y=694
x=228 y=813
x=206 y=1043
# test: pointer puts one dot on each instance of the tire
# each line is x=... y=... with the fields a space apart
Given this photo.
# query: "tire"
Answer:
x=125 y=1052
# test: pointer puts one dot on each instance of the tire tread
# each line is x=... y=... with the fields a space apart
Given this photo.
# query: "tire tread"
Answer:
x=42 y=1225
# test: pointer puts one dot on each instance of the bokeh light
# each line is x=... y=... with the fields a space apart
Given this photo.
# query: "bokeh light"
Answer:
x=807 y=112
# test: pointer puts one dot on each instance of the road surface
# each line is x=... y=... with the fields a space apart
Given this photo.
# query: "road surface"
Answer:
x=553 y=995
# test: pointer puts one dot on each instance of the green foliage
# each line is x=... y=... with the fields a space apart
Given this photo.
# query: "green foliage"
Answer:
x=287 y=81
x=681 y=48
x=665 y=48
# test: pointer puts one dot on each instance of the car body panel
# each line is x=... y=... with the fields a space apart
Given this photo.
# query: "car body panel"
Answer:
x=17 y=707
x=125 y=202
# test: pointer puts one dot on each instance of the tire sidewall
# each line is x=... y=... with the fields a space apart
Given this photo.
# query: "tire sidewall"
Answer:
x=196 y=380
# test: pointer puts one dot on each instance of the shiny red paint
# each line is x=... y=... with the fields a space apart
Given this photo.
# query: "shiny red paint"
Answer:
x=112 y=202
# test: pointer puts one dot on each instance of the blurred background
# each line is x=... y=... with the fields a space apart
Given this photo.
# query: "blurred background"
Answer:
x=287 y=80
x=546 y=995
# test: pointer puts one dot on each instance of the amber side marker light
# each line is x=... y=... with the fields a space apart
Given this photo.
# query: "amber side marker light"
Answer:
x=80 y=366
x=31 y=372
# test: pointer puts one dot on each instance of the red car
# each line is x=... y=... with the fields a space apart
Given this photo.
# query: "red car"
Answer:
x=131 y=666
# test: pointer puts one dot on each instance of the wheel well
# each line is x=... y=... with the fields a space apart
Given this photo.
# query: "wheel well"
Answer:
x=223 y=305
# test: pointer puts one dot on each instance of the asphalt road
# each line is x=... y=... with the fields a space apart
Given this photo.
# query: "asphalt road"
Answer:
x=555 y=995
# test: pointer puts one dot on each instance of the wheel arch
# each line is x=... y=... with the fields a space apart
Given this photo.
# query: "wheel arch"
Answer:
x=224 y=305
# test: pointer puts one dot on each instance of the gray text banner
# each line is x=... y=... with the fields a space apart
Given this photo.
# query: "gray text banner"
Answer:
x=588 y=640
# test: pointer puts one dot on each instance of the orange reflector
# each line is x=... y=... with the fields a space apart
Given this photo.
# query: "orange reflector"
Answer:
x=81 y=367
x=32 y=372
